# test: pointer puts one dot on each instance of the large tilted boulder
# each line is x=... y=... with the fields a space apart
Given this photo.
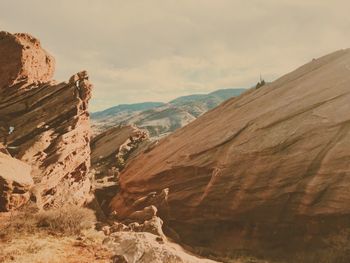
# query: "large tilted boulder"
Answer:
x=267 y=169
x=45 y=124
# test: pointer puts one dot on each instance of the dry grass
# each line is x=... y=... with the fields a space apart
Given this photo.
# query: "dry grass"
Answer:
x=62 y=235
x=43 y=248
x=69 y=220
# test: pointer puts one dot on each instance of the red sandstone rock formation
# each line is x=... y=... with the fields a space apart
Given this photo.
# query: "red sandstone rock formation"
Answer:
x=45 y=124
x=271 y=165
x=15 y=182
x=23 y=60
x=114 y=141
x=110 y=152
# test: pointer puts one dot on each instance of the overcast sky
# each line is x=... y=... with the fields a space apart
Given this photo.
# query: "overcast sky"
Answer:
x=156 y=50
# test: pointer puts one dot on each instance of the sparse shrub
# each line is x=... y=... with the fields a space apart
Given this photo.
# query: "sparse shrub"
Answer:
x=260 y=84
x=68 y=220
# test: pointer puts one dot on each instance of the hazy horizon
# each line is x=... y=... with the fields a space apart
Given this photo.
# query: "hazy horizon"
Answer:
x=153 y=101
x=158 y=50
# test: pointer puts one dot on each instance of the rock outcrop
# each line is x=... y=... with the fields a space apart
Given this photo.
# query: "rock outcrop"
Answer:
x=43 y=123
x=145 y=242
x=23 y=60
x=268 y=169
x=15 y=182
x=145 y=247
x=110 y=152
x=116 y=143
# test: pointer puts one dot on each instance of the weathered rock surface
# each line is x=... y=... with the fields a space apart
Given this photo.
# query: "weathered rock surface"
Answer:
x=130 y=246
x=3 y=149
x=267 y=169
x=118 y=140
x=23 y=60
x=145 y=247
x=144 y=241
x=45 y=124
x=110 y=152
x=15 y=182
x=154 y=226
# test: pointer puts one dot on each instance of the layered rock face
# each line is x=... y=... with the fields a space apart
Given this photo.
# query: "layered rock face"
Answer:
x=44 y=124
x=267 y=169
x=110 y=152
x=115 y=143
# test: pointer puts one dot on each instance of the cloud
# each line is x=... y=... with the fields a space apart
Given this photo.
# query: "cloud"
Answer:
x=139 y=50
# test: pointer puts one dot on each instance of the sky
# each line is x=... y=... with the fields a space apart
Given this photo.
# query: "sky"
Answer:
x=156 y=50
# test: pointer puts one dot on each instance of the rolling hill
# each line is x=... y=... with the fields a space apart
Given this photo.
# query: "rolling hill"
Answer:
x=161 y=118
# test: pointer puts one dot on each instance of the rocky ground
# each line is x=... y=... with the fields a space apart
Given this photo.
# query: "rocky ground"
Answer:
x=32 y=236
x=72 y=234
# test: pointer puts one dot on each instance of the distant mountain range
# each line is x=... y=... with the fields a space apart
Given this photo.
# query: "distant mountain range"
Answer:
x=161 y=118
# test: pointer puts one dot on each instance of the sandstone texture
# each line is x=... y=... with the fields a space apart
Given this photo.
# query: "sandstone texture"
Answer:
x=15 y=182
x=267 y=169
x=145 y=242
x=110 y=152
x=23 y=60
x=45 y=124
x=118 y=140
x=145 y=247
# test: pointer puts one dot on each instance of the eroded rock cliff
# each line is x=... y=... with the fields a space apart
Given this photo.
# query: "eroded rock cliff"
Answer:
x=110 y=152
x=265 y=170
x=43 y=123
